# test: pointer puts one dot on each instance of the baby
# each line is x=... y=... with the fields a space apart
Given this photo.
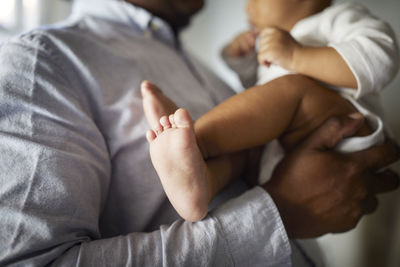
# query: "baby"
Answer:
x=315 y=43
x=341 y=46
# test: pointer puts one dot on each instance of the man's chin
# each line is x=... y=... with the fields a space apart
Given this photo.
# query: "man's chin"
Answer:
x=182 y=23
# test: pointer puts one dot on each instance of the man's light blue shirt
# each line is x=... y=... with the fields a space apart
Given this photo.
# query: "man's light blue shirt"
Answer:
x=76 y=183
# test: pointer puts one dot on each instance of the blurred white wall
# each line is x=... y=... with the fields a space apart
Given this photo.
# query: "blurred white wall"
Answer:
x=38 y=12
x=21 y=15
x=376 y=241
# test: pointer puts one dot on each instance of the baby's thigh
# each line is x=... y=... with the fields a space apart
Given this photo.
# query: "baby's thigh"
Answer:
x=317 y=105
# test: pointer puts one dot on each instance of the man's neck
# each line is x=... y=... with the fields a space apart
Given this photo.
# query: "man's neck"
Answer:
x=157 y=8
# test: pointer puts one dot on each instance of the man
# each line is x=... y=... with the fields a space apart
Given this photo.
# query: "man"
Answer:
x=77 y=186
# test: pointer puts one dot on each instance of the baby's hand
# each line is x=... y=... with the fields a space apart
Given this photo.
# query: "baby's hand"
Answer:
x=242 y=45
x=277 y=47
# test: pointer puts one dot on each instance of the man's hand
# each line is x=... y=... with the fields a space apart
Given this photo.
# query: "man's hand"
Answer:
x=318 y=190
x=277 y=47
x=242 y=45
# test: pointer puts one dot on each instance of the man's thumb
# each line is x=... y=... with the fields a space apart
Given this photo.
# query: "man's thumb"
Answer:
x=329 y=134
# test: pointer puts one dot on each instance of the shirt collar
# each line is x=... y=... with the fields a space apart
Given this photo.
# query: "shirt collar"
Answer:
x=120 y=11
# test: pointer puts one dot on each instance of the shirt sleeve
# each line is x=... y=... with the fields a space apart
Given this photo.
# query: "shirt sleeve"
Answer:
x=245 y=67
x=366 y=43
x=55 y=175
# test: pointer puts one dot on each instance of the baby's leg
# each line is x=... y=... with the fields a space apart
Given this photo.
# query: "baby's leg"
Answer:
x=189 y=182
x=317 y=105
x=290 y=106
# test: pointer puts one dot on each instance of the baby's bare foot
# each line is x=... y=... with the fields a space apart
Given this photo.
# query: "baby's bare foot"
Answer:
x=180 y=165
x=155 y=103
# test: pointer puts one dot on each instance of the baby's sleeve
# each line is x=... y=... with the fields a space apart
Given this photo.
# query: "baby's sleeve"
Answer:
x=367 y=44
x=245 y=67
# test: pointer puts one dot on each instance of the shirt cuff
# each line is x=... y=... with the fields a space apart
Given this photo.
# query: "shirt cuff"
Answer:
x=242 y=64
x=253 y=230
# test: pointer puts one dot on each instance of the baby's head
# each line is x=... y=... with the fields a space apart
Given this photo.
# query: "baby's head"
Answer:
x=282 y=13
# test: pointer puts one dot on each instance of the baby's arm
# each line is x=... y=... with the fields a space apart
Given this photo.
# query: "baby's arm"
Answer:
x=324 y=64
x=321 y=63
x=359 y=46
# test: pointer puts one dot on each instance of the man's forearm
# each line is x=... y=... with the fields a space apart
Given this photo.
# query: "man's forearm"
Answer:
x=246 y=231
x=324 y=64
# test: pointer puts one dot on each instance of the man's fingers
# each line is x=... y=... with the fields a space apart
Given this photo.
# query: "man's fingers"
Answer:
x=378 y=157
x=383 y=182
x=334 y=130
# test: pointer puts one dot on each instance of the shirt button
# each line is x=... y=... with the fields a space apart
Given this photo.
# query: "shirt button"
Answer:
x=154 y=26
